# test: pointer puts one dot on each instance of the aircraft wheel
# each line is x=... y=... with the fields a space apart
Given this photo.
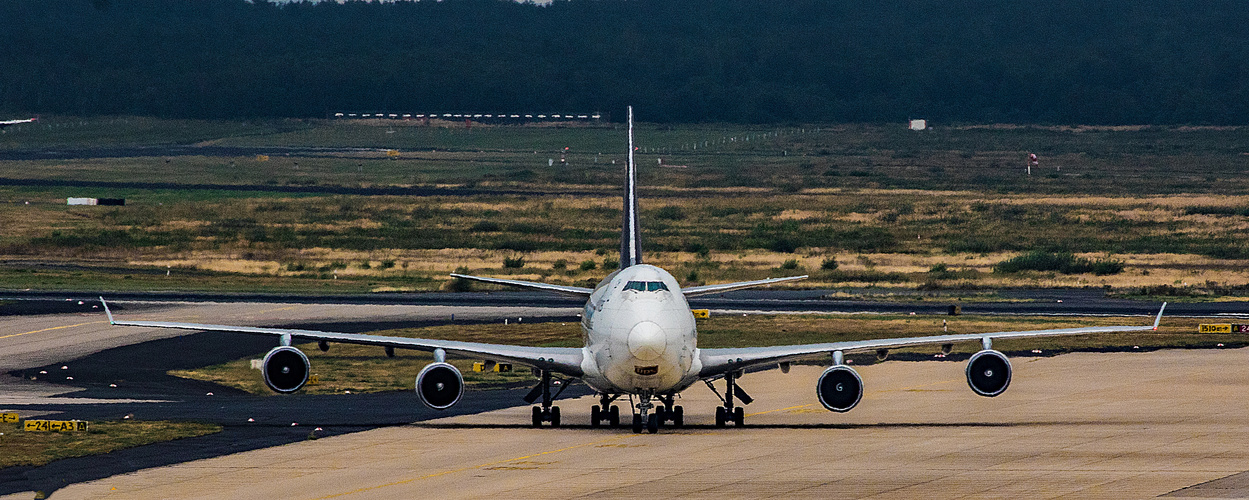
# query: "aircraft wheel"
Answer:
x=678 y=417
x=555 y=416
x=613 y=416
x=537 y=416
x=739 y=416
x=637 y=423
x=720 y=416
x=652 y=424
x=596 y=416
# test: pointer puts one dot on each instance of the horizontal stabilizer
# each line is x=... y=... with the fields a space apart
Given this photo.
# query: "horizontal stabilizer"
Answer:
x=728 y=287
x=566 y=290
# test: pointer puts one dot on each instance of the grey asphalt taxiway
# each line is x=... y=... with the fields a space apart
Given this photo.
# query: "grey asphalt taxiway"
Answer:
x=1083 y=425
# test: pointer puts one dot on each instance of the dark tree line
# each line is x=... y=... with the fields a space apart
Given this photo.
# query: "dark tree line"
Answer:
x=1060 y=61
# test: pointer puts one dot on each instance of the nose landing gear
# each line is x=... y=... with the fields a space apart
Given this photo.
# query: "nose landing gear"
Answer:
x=644 y=418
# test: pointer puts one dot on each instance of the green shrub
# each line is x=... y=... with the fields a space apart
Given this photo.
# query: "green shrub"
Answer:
x=790 y=264
x=670 y=212
x=829 y=264
x=588 y=265
x=485 y=226
x=1063 y=262
x=516 y=262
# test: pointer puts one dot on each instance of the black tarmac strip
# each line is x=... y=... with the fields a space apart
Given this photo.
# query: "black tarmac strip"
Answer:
x=139 y=371
x=1039 y=302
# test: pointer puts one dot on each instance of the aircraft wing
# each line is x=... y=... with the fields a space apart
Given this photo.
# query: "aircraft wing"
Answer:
x=717 y=362
x=728 y=287
x=566 y=290
x=6 y=123
x=565 y=360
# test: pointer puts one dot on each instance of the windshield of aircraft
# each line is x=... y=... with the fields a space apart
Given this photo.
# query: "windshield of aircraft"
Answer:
x=646 y=286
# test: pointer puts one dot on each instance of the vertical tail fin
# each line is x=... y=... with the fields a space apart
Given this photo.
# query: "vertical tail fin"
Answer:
x=630 y=231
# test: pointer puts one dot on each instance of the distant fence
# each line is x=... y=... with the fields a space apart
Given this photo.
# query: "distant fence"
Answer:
x=475 y=117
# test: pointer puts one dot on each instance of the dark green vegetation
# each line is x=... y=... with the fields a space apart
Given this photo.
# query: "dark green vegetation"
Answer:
x=1066 y=61
x=847 y=204
x=366 y=369
x=39 y=448
x=1062 y=262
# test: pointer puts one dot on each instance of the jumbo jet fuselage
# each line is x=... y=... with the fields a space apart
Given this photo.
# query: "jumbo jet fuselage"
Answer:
x=640 y=335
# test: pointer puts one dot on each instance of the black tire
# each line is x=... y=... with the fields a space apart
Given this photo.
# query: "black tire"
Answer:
x=678 y=417
x=720 y=411
x=637 y=423
x=613 y=416
x=652 y=423
x=739 y=416
x=596 y=416
x=537 y=417
x=555 y=416
x=662 y=413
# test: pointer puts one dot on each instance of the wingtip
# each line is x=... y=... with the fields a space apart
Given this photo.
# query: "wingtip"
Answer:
x=1158 y=319
x=107 y=311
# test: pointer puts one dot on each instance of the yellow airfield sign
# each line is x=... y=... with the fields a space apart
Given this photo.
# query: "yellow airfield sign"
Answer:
x=55 y=426
x=1222 y=328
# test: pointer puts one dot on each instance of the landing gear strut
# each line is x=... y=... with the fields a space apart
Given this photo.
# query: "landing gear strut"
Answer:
x=670 y=412
x=601 y=412
x=729 y=412
x=546 y=412
x=643 y=417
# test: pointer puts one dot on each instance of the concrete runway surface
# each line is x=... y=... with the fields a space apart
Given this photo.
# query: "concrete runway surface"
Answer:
x=1084 y=425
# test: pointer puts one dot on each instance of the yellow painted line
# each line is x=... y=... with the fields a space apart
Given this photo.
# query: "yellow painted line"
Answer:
x=462 y=469
x=914 y=387
x=266 y=311
x=779 y=409
x=53 y=328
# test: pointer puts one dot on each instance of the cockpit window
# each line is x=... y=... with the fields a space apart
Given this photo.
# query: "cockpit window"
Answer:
x=646 y=286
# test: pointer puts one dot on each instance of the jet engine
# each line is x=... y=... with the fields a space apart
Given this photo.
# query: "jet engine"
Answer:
x=286 y=369
x=988 y=373
x=439 y=385
x=839 y=388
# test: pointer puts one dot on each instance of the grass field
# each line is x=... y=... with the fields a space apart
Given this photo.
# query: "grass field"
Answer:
x=366 y=369
x=889 y=207
x=39 y=448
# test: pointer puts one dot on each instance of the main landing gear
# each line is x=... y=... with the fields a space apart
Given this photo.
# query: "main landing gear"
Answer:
x=601 y=412
x=662 y=414
x=729 y=412
x=546 y=412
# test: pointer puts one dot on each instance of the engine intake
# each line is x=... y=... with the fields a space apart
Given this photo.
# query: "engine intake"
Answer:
x=285 y=369
x=439 y=385
x=839 y=388
x=988 y=373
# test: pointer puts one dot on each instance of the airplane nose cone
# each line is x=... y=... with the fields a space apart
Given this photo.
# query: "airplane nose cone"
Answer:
x=647 y=341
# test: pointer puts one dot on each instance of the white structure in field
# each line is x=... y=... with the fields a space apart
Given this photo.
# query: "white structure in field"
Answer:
x=919 y=124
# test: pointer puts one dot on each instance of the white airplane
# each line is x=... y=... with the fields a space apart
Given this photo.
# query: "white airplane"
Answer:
x=641 y=341
x=6 y=123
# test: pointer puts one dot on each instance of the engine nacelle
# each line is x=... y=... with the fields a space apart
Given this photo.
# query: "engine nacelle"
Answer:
x=285 y=369
x=988 y=373
x=439 y=385
x=839 y=388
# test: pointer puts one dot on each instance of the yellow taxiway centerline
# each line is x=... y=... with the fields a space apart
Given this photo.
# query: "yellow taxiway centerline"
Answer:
x=53 y=328
x=462 y=469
